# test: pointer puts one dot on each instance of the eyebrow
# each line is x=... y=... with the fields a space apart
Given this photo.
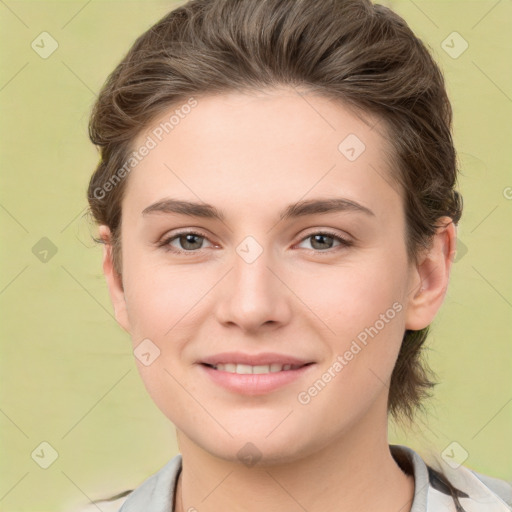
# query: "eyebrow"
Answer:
x=299 y=209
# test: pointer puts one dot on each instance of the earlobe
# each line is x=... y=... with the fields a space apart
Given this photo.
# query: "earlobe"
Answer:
x=430 y=277
x=114 y=280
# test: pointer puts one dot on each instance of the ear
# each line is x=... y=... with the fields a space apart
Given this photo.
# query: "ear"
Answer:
x=114 y=280
x=430 y=277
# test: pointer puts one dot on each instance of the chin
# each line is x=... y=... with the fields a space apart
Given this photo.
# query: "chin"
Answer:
x=255 y=446
x=255 y=454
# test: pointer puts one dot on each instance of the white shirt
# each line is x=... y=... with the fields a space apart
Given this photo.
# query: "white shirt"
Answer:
x=478 y=493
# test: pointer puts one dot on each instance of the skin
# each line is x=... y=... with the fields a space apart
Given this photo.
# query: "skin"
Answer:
x=250 y=155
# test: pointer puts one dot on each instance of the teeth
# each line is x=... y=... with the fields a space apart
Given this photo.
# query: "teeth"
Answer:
x=245 y=369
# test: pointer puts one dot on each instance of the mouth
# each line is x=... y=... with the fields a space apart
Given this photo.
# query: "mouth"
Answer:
x=255 y=379
x=247 y=369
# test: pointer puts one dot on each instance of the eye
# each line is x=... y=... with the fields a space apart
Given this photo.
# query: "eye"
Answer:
x=192 y=241
x=189 y=241
x=323 y=241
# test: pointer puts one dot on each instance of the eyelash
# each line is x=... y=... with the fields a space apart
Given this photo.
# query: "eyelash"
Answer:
x=165 y=244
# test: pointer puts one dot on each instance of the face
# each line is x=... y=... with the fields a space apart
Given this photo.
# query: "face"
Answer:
x=291 y=271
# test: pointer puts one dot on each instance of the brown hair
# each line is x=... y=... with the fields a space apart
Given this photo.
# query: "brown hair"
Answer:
x=350 y=50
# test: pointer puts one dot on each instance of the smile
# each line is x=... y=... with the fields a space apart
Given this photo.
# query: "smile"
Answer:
x=245 y=369
x=252 y=380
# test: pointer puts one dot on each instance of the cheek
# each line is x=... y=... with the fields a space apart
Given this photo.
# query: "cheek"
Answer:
x=363 y=308
x=159 y=297
x=348 y=299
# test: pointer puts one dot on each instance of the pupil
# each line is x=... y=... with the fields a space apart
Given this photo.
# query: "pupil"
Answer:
x=322 y=240
x=189 y=239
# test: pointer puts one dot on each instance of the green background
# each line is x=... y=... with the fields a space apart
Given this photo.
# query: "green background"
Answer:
x=68 y=375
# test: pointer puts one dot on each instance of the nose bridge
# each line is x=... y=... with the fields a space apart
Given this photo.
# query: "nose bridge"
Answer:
x=255 y=295
x=253 y=279
x=251 y=264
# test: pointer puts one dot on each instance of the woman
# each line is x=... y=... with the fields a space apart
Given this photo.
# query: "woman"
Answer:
x=276 y=198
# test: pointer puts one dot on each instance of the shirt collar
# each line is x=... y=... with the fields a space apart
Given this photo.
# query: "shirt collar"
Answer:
x=156 y=494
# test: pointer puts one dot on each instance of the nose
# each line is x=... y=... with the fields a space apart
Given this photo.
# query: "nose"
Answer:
x=253 y=295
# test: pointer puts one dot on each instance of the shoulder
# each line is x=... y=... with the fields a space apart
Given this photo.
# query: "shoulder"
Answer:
x=500 y=488
x=107 y=505
x=476 y=492
x=437 y=484
x=154 y=494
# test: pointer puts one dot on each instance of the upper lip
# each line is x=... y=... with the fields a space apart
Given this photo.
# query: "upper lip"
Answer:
x=264 y=358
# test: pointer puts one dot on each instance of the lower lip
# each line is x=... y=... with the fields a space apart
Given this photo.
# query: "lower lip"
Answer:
x=255 y=383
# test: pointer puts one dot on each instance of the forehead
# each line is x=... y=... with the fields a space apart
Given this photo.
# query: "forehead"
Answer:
x=261 y=147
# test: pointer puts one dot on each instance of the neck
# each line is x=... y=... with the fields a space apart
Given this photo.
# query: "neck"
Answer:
x=354 y=472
